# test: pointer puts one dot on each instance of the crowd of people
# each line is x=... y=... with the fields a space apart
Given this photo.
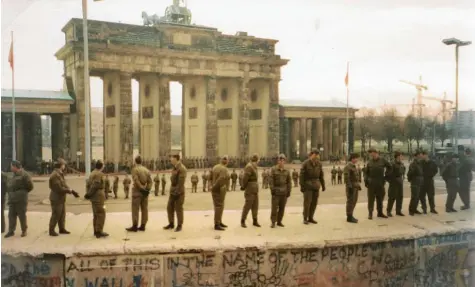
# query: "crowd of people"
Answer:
x=279 y=179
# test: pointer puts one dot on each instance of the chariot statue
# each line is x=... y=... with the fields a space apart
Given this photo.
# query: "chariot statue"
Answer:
x=175 y=13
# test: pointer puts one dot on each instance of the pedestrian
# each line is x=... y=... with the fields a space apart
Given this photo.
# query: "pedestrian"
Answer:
x=126 y=182
x=57 y=197
x=115 y=186
x=164 y=183
x=333 y=175
x=416 y=177
x=96 y=193
x=280 y=183
x=429 y=170
x=251 y=192
x=376 y=173
x=234 y=177
x=340 y=175
x=395 y=190
x=311 y=180
x=156 y=184
x=18 y=188
x=451 y=178
x=295 y=178
x=176 y=196
x=142 y=180
x=194 y=182
x=218 y=180
x=467 y=165
x=204 y=178
x=353 y=187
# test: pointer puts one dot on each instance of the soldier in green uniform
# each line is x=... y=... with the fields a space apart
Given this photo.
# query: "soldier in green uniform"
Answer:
x=241 y=177
x=451 y=178
x=360 y=173
x=352 y=187
x=333 y=174
x=376 y=173
x=156 y=184
x=228 y=183
x=57 y=197
x=4 y=198
x=142 y=180
x=340 y=175
x=218 y=180
x=264 y=179
x=177 y=194
x=96 y=193
x=210 y=178
x=429 y=170
x=126 y=182
x=295 y=178
x=311 y=180
x=107 y=186
x=251 y=192
x=416 y=177
x=467 y=165
x=115 y=186
x=194 y=182
x=204 y=178
x=234 y=177
x=280 y=184
x=18 y=187
x=395 y=190
x=164 y=183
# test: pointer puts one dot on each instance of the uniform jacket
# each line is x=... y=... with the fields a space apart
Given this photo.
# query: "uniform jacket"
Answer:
x=467 y=165
x=19 y=185
x=311 y=175
x=397 y=173
x=141 y=178
x=377 y=171
x=280 y=182
x=58 y=186
x=351 y=176
x=249 y=181
x=194 y=178
x=415 y=174
x=177 y=179
x=96 y=187
x=218 y=177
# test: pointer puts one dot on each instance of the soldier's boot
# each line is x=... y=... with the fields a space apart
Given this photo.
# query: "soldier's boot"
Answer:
x=370 y=215
x=382 y=215
x=311 y=220
x=53 y=233
x=399 y=213
x=23 y=233
x=255 y=223
x=101 y=234
x=463 y=207
x=223 y=225
x=272 y=225
x=433 y=211
x=243 y=223
x=63 y=231
x=141 y=228
x=218 y=227
x=280 y=224
x=133 y=228
x=178 y=228
x=9 y=234
x=169 y=226
x=389 y=213
x=351 y=219
x=305 y=221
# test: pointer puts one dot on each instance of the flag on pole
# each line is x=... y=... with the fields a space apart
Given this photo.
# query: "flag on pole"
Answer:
x=347 y=74
x=10 y=56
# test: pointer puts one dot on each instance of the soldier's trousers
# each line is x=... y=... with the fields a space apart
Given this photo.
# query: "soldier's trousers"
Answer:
x=17 y=210
x=376 y=192
x=339 y=180
x=278 y=208
x=310 y=201
x=194 y=187
x=227 y=186
x=395 y=195
x=126 y=191
x=296 y=183
x=251 y=203
x=156 y=190
x=58 y=215
x=98 y=217
x=351 y=200
x=427 y=190
x=163 y=189
x=415 y=194
x=115 y=192
x=233 y=186
x=204 y=186
x=333 y=180
x=218 y=203
x=139 y=203
x=464 y=191
x=452 y=186
x=175 y=205
x=4 y=194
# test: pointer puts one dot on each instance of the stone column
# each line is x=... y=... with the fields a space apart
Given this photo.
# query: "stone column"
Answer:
x=273 y=120
x=286 y=137
x=60 y=137
x=336 y=137
x=319 y=125
x=342 y=137
x=184 y=114
x=165 y=125
x=303 y=154
x=313 y=134
x=211 y=120
x=292 y=139
x=244 y=117
x=329 y=138
x=20 y=135
x=78 y=117
x=32 y=145
x=7 y=140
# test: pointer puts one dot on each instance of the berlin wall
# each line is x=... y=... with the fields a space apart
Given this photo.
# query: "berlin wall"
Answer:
x=439 y=260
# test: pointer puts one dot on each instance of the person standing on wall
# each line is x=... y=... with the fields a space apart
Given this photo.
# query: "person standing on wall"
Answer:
x=451 y=178
x=378 y=170
x=395 y=190
x=467 y=165
x=217 y=181
x=251 y=192
x=280 y=183
x=415 y=176
x=142 y=180
x=311 y=180
x=352 y=182
x=429 y=170
x=176 y=197
x=96 y=193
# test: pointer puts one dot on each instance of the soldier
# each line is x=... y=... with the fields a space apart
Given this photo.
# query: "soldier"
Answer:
x=352 y=187
x=311 y=179
x=204 y=178
x=177 y=194
x=467 y=165
x=234 y=177
x=19 y=186
x=251 y=194
x=295 y=178
x=96 y=193
x=360 y=173
x=240 y=178
x=280 y=184
x=395 y=190
x=115 y=186
x=57 y=198
x=164 y=183
x=264 y=178
x=107 y=186
x=194 y=182
x=4 y=195
x=376 y=171
x=126 y=182
x=218 y=180
x=429 y=170
x=210 y=176
x=450 y=176
x=228 y=183
x=333 y=173
x=416 y=177
x=340 y=175
x=156 y=182
x=142 y=180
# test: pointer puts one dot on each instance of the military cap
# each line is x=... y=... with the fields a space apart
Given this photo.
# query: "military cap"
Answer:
x=16 y=163
x=225 y=157
x=282 y=156
x=354 y=155
x=255 y=157
x=314 y=151
x=371 y=150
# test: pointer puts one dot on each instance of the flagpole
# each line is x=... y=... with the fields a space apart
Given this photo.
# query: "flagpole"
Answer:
x=347 y=113
x=13 y=104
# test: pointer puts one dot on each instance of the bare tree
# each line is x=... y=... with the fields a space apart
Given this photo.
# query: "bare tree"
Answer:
x=442 y=132
x=363 y=125
x=416 y=128
x=387 y=127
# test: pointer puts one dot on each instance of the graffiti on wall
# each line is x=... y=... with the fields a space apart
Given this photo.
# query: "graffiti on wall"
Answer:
x=35 y=272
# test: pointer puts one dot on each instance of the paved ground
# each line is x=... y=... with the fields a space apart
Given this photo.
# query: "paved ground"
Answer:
x=199 y=201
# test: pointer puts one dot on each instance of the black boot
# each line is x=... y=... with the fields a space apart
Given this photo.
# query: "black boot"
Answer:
x=9 y=234
x=223 y=225
x=389 y=214
x=280 y=224
x=178 y=228
x=64 y=231
x=311 y=220
x=141 y=228
x=370 y=215
x=243 y=223
x=272 y=225
x=351 y=219
x=382 y=215
x=218 y=227
x=434 y=211
x=53 y=233
x=255 y=223
x=399 y=213
x=169 y=226
x=132 y=229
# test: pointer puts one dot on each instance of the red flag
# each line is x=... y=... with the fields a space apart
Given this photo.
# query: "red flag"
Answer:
x=10 y=56
x=347 y=74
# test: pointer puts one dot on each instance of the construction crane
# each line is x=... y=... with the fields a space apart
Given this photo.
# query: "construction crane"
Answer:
x=413 y=106
x=443 y=102
x=420 y=88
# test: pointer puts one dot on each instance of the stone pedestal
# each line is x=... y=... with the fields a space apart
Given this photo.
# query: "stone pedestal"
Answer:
x=60 y=137
x=7 y=140
x=243 y=118
x=32 y=145
x=303 y=154
x=273 y=120
x=165 y=125
x=211 y=120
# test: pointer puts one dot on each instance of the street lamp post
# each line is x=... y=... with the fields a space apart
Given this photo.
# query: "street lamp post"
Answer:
x=458 y=43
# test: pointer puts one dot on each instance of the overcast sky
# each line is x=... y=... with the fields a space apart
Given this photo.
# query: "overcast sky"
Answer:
x=384 y=43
